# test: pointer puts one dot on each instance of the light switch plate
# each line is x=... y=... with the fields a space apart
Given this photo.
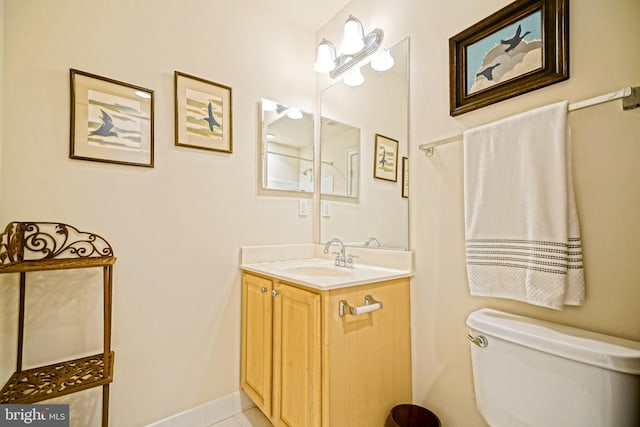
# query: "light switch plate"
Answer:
x=303 y=207
x=326 y=208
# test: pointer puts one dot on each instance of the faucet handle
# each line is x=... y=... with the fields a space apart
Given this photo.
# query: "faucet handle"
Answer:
x=349 y=261
x=339 y=261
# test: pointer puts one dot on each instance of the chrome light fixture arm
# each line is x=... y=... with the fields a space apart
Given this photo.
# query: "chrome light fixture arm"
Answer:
x=344 y=62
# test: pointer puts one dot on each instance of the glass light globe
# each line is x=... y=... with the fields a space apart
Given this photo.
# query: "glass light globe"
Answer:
x=268 y=105
x=294 y=114
x=324 y=61
x=383 y=61
x=352 y=42
x=354 y=78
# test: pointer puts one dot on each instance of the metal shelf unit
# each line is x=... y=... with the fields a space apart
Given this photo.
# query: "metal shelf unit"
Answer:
x=40 y=246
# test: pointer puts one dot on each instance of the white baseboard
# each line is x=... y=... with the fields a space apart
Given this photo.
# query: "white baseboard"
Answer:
x=209 y=413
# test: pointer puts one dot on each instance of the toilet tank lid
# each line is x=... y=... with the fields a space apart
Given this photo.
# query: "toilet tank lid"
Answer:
x=596 y=349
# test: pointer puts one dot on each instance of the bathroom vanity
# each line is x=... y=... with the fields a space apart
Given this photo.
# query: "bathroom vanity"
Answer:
x=325 y=345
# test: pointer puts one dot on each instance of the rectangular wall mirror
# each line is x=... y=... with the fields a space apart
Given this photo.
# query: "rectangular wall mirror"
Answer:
x=363 y=200
x=286 y=147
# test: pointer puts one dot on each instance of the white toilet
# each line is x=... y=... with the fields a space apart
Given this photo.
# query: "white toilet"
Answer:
x=528 y=372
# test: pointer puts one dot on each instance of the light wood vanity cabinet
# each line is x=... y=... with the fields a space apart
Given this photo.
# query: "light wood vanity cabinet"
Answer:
x=304 y=365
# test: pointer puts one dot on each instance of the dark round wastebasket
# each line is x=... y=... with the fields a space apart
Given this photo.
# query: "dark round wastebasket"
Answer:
x=411 y=416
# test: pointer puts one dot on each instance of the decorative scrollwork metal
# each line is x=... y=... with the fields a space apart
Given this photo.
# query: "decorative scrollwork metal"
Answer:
x=46 y=382
x=41 y=241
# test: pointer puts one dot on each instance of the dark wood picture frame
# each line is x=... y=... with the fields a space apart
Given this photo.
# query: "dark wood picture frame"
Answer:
x=385 y=158
x=405 y=177
x=551 y=52
x=203 y=113
x=110 y=121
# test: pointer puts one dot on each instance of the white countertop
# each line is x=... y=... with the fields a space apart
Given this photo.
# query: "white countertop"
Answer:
x=302 y=271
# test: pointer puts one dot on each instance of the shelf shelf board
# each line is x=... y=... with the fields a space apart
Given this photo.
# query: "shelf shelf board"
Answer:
x=58 y=379
x=58 y=264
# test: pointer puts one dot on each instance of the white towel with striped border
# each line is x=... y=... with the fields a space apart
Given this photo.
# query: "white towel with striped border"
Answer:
x=521 y=223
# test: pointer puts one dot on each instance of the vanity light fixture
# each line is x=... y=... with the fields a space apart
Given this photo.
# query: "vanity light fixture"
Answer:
x=325 y=59
x=383 y=61
x=268 y=105
x=280 y=110
x=354 y=78
x=294 y=113
x=353 y=39
x=354 y=48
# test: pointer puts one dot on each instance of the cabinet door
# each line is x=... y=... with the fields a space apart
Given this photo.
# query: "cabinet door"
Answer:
x=256 y=340
x=296 y=356
x=367 y=357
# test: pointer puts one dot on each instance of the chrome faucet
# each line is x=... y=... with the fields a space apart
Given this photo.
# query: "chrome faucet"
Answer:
x=371 y=240
x=340 y=257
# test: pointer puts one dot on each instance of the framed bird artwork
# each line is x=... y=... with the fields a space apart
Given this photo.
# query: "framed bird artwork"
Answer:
x=522 y=47
x=202 y=114
x=386 y=158
x=111 y=121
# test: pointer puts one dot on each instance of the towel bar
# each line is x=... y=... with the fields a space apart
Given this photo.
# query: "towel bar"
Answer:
x=370 y=304
x=630 y=100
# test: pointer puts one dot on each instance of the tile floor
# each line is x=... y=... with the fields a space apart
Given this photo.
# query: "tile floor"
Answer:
x=249 y=418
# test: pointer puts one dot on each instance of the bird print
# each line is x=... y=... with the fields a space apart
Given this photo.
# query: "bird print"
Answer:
x=488 y=72
x=514 y=41
x=383 y=159
x=210 y=119
x=105 y=128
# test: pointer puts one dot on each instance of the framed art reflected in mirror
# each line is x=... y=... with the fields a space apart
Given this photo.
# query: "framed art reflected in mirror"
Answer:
x=386 y=158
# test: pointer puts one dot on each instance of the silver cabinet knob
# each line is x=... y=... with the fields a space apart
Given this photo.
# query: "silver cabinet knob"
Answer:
x=263 y=289
x=275 y=293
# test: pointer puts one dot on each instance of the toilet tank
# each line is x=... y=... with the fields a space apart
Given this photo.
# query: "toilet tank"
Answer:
x=536 y=373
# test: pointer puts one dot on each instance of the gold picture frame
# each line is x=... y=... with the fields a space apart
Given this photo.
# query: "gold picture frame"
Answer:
x=111 y=121
x=520 y=48
x=385 y=158
x=203 y=114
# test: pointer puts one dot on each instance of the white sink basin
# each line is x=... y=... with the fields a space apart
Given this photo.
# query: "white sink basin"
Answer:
x=318 y=271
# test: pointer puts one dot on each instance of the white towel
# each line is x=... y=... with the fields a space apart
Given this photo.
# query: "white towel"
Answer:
x=521 y=224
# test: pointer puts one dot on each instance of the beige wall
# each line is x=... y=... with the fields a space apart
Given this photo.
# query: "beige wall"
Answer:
x=606 y=147
x=1 y=92
x=177 y=228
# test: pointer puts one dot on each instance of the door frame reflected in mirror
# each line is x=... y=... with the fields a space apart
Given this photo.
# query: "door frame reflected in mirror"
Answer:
x=337 y=141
